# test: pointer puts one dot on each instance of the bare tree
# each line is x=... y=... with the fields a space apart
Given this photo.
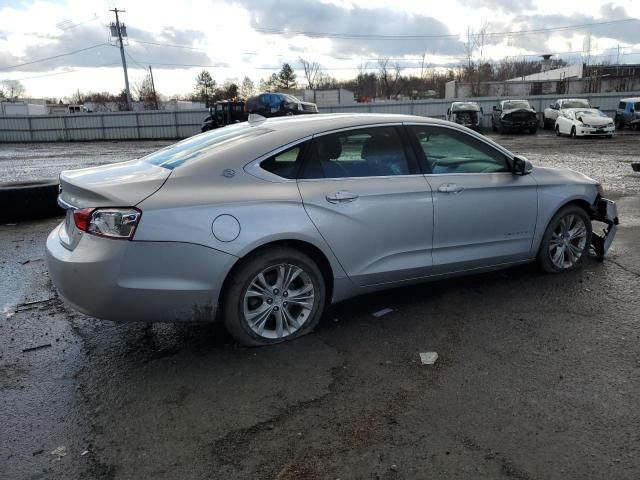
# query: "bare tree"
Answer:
x=12 y=89
x=311 y=71
x=247 y=88
x=146 y=94
x=390 y=78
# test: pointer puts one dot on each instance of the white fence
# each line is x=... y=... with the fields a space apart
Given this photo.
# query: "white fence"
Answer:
x=101 y=126
x=184 y=123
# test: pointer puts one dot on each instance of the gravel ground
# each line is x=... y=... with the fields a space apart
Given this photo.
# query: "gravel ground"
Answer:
x=538 y=375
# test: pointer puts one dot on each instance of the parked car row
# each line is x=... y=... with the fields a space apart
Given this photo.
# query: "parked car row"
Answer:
x=574 y=117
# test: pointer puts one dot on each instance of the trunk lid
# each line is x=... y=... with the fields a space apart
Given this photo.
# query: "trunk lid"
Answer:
x=116 y=185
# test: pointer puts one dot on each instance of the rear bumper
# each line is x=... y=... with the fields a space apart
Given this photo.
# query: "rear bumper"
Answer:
x=605 y=211
x=126 y=281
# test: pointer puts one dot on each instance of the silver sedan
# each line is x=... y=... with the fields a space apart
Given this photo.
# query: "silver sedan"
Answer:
x=265 y=222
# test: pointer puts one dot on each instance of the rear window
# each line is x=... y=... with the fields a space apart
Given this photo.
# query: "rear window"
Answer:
x=575 y=103
x=194 y=147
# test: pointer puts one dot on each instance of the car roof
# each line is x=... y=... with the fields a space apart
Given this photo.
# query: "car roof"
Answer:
x=580 y=109
x=632 y=99
x=515 y=100
x=316 y=123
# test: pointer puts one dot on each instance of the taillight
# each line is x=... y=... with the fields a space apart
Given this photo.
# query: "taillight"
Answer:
x=81 y=217
x=108 y=222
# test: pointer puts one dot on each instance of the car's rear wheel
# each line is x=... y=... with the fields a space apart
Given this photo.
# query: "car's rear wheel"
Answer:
x=566 y=240
x=274 y=296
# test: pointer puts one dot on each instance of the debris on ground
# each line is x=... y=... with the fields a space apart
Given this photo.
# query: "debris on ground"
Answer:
x=59 y=452
x=382 y=312
x=21 y=307
x=39 y=347
x=84 y=453
x=428 y=358
x=394 y=468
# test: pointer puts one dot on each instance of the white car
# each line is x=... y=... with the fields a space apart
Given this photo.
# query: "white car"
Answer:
x=550 y=115
x=584 y=122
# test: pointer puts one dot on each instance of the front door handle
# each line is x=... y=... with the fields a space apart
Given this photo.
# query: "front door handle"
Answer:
x=341 y=197
x=450 y=188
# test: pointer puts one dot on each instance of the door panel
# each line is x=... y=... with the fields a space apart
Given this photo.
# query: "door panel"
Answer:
x=491 y=220
x=384 y=234
x=483 y=214
x=363 y=191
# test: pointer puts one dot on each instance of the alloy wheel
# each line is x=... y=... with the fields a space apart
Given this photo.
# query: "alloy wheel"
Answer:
x=568 y=242
x=278 y=301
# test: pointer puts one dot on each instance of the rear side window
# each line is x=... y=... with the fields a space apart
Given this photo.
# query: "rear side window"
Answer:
x=284 y=164
x=637 y=106
x=451 y=151
x=195 y=147
x=365 y=152
x=621 y=105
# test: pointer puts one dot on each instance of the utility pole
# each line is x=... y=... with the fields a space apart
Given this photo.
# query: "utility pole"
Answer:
x=118 y=29
x=153 y=88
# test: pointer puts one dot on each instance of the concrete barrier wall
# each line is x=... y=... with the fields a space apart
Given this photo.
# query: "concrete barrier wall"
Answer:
x=185 y=123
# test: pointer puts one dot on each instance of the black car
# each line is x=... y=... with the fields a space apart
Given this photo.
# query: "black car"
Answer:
x=278 y=104
x=515 y=115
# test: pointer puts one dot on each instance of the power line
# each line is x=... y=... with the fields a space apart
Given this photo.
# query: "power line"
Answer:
x=54 y=56
x=273 y=30
x=74 y=70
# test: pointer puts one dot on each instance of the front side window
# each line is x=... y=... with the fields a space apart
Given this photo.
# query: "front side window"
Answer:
x=365 y=152
x=284 y=164
x=621 y=105
x=452 y=151
x=576 y=103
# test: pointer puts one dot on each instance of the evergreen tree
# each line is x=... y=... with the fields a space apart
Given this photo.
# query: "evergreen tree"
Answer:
x=286 y=77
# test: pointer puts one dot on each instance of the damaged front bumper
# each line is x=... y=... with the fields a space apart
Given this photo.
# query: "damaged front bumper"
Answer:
x=604 y=211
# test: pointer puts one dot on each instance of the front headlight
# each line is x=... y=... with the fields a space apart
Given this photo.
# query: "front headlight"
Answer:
x=609 y=125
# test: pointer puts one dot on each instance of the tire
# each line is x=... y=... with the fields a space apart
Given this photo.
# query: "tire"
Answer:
x=29 y=200
x=573 y=132
x=553 y=240
x=619 y=123
x=268 y=303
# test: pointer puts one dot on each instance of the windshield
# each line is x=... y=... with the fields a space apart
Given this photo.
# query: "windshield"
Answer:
x=516 y=104
x=591 y=111
x=576 y=103
x=175 y=155
x=456 y=107
x=291 y=99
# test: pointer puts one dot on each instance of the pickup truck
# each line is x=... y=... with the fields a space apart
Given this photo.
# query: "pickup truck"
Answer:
x=550 y=115
x=628 y=113
x=468 y=114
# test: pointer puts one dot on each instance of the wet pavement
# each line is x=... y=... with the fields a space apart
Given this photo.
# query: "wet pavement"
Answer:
x=538 y=375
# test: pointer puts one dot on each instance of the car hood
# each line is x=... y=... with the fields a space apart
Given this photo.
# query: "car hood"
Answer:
x=518 y=110
x=595 y=120
x=554 y=176
x=118 y=184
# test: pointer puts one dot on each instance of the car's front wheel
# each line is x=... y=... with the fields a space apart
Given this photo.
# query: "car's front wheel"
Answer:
x=566 y=240
x=273 y=296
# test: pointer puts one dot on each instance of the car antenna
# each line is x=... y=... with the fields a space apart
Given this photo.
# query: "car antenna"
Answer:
x=256 y=119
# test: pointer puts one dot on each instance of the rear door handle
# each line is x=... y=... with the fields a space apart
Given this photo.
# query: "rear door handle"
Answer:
x=450 y=188
x=341 y=197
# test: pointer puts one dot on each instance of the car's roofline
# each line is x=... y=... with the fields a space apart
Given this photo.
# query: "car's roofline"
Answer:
x=631 y=99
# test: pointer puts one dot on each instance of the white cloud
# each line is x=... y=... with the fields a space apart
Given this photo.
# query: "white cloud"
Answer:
x=223 y=39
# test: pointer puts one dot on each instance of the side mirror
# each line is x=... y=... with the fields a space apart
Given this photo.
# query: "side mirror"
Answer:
x=521 y=166
x=552 y=107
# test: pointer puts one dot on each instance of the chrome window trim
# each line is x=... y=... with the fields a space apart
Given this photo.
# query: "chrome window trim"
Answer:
x=411 y=175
